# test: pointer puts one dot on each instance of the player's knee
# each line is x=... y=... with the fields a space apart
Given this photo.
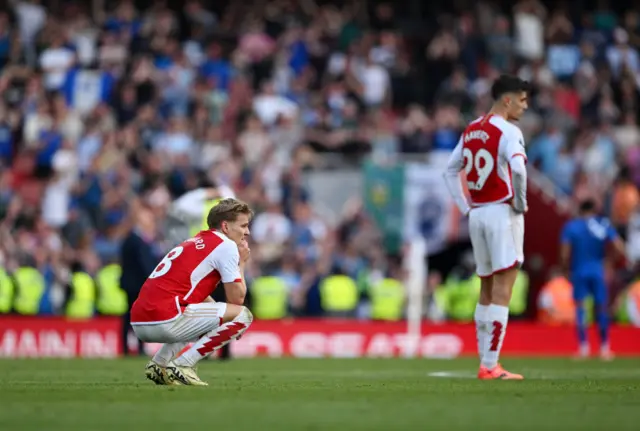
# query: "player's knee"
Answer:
x=232 y=312
x=238 y=313
x=246 y=315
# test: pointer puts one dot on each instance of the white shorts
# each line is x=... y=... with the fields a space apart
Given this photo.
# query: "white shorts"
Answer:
x=497 y=237
x=195 y=321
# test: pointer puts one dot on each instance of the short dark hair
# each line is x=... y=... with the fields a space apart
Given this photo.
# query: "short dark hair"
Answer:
x=586 y=206
x=228 y=210
x=509 y=84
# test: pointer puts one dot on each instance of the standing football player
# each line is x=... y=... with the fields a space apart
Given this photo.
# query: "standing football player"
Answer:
x=174 y=306
x=582 y=254
x=491 y=153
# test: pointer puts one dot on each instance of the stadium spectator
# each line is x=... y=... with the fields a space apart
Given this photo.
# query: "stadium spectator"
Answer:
x=139 y=257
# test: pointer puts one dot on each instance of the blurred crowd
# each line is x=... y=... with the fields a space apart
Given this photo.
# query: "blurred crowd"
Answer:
x=112 y=109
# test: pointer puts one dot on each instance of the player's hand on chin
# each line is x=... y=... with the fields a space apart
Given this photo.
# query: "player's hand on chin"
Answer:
x=245 y=251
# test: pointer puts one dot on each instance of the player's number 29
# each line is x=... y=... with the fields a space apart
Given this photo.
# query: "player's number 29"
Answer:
x=165 y=264
x=483 y=164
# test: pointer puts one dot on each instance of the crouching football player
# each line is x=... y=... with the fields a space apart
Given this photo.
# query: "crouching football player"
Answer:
x=174 y=306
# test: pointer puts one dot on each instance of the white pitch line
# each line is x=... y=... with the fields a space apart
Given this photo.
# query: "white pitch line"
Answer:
x=453 y=374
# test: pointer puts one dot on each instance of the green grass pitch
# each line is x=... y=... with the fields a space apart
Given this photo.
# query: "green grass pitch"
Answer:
x=316 y=394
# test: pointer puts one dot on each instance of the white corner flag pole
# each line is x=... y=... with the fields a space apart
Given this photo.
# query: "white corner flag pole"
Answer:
x=416 y=269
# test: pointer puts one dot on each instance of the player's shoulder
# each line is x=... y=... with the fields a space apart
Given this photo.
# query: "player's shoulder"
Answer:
x=506 y=127
x=215 y=247
x=495 y=123
x=223 y=245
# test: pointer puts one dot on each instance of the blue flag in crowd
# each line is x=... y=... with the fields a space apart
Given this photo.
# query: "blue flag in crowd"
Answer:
x=85 y=89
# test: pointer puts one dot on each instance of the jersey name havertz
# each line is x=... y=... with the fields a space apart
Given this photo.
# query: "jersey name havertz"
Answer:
x=476 y=135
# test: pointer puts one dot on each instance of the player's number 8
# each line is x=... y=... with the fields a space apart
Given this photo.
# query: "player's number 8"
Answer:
x=482 y=163
x=165 y=264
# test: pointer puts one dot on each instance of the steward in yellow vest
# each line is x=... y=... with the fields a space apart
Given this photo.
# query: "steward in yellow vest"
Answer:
x=30 y=286
x=82 y=299
x=270 y=298
x=387 y=299
x=462 y=296
x=112 y=300
x=339 y=295
x=462 y=288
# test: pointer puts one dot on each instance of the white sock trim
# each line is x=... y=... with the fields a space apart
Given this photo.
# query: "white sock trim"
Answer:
x=497 y=319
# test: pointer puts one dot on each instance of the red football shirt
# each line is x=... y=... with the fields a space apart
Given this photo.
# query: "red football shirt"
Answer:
x=186 y=275
x=486 y=147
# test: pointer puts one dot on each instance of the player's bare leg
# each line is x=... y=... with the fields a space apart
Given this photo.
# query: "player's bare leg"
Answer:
x=481 y=314
x=498 y=316
x=156 y=369
x=236 y=321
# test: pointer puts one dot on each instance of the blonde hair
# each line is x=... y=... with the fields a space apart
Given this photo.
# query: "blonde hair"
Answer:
x=228 y=210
